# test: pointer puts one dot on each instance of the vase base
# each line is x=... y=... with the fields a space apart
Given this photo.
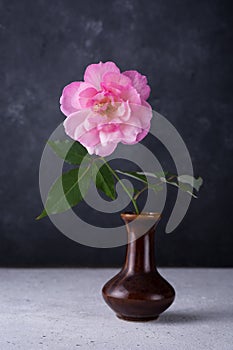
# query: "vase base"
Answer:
x=137 y=319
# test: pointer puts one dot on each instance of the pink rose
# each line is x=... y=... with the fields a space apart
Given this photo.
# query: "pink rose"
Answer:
x=107 y=108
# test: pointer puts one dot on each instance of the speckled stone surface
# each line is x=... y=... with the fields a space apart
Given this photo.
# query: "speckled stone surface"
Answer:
x=63 y=309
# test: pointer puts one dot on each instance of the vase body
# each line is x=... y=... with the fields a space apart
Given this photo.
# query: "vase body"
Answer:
x=138 y=292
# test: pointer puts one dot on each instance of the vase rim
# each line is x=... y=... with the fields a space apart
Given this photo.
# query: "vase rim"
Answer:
x=143 y=215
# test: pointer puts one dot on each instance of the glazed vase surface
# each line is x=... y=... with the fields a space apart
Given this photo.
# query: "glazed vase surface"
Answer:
x=138 y=292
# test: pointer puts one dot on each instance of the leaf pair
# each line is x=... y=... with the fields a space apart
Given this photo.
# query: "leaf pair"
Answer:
x=72 y=186
x=185 y=182
x=67 y=191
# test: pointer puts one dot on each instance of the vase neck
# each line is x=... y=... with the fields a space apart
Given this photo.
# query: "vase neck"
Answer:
x=140 y=253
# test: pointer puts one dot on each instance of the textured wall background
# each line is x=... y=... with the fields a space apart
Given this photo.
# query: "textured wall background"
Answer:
x=185 y=49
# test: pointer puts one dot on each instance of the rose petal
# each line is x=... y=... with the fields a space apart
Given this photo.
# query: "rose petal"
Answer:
x=139 y=81
x=123 y=111
x=110 y=133
x=130 y=94
x=66 y=98
x=95 y=120
x=115 y=82
x=94 y=73
x=73 y=123
x=143 y=133
x=140 y=115
x=90 y=138
x=129 y=133
x=106 y=150
x=83 y=98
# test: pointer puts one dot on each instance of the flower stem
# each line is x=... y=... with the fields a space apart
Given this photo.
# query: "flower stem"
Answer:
x=122 y=185
x=140 y=192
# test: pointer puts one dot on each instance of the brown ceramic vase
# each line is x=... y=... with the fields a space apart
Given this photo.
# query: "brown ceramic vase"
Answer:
x=138 y=292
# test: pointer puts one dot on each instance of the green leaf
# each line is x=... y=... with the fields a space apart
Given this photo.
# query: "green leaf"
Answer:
x=104 y=180
x=187 y=188
x=134 y=175
x=65 y=192
x=190 y=180
x=184 y=182
x=156 y=188
x=159 y=175
x=72 y=152
x=42 y=215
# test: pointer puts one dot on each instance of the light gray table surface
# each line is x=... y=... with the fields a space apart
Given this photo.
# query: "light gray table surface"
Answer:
x=63 y=309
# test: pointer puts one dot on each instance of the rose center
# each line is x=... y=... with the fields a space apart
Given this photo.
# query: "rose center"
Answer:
x=104 y=107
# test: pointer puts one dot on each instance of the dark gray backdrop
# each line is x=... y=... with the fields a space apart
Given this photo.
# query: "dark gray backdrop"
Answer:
x=185 y=49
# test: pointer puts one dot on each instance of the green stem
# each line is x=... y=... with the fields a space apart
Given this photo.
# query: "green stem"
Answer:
x=140 y=192
x=122 y=185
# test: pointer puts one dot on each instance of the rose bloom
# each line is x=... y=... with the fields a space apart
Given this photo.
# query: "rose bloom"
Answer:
x=106 y=108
